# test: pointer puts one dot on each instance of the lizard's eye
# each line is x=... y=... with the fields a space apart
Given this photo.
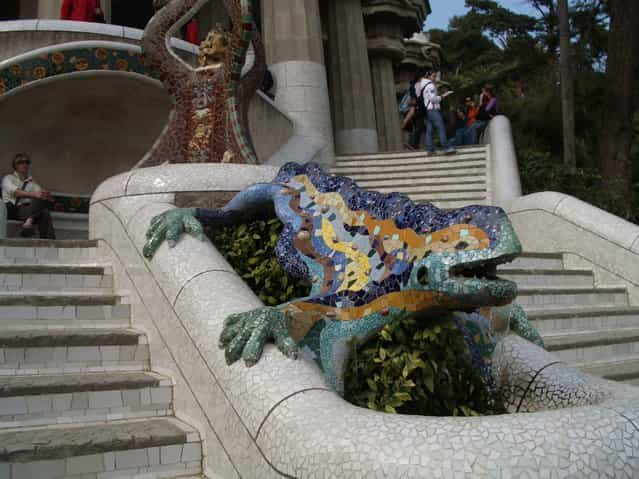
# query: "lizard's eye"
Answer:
x=422 y=276
x=461 y=245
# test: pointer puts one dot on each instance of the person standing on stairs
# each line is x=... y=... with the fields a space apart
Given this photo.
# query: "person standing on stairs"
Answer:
x=427 y=93
x=26 y=200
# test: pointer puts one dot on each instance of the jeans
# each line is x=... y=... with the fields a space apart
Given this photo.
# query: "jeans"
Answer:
x=476 y=130
x=462 y=138
x=434 y=118
x=415 y=136
x=39 y=211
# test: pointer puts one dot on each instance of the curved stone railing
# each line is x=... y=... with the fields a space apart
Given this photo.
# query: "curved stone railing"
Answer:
x=583 y=233
x=279 y=418
x=22 y=36
x=503 y=172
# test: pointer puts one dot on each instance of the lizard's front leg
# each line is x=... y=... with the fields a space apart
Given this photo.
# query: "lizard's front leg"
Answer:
x=245 y=334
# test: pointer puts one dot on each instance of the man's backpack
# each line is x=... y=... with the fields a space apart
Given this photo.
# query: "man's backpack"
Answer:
x=404 y=105
x=421 y=109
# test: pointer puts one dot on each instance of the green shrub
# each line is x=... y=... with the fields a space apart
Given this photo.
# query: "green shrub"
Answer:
x=249 y=248
x=542 y=172
x=417 y=367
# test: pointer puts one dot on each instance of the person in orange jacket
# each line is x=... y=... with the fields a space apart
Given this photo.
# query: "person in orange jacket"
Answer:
x=82 y=11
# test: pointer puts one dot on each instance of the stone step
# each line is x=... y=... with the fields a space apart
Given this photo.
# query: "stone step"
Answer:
x=27 y=401
x=586 y=346
x=437 y=190
x=410 y=169
x=554 y=298
x=36 y=251
x=56 y=278
x=399 y=184
x=548 y=277
x=67 y=226
x=60 y=317
x=616 y=369
x=583 y=319
x=409 y=154
x=450 y=196
x=39 y=299
x=532 y=260
x=422 y=174
x=453 y=204
x=409 y=160
x=30 y=352
x=162 y=447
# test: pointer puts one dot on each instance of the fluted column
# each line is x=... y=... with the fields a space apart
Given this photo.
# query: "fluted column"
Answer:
x=350 y=75
x=389 y=130
x=293 y=41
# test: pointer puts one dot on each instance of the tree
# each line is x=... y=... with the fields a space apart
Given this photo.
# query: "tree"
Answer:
x=567 y=86
x=620 y=100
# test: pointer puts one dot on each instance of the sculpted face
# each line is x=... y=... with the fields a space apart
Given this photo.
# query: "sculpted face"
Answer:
x=214 y=48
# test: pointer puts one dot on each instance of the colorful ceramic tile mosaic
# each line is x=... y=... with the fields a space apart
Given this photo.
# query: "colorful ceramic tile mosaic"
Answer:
x=367 y=254
x=74 y=60
x=209 y=118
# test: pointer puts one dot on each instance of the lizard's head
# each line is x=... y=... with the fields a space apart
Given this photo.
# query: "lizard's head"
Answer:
x=463 y=256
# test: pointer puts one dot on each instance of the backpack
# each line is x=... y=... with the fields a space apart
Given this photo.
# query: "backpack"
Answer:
x=421 y=106
x=404 y=104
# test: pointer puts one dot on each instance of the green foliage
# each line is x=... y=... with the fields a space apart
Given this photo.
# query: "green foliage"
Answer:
x=414 y=367
x=518 y=56
x=249 y=248
x=542 y=172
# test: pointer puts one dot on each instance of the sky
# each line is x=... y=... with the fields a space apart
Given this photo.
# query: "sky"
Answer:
x=444 y=10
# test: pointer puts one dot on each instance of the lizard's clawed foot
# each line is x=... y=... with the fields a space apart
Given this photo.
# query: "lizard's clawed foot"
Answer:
x=244 y=335
x=170 y=226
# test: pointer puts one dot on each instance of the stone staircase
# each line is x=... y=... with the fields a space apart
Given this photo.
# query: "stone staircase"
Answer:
x=77 y=396
x=67 y=226
x=447 y=181
x=591 y=326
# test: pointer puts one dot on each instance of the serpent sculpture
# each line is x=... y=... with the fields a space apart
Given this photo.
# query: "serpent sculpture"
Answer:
x=208 y=122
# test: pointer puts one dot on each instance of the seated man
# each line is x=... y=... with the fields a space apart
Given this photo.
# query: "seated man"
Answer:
x=26 y=200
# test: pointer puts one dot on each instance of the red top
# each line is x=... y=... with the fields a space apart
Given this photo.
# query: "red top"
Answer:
x=80 y=10
x=472 y=115
x=193 y=32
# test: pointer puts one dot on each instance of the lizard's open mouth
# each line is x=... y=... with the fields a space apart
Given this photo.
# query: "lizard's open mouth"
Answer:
x=485 y=269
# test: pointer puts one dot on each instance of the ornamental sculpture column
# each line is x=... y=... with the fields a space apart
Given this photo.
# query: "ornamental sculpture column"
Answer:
x=351 y=86
x=292 y=35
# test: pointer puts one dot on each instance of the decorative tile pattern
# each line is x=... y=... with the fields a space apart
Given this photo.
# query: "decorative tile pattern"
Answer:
x=208 y=122
x=72 y=61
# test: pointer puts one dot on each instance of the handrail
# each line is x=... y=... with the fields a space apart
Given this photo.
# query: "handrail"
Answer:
x=116 y=31
x=577 y=227
x=503 y=171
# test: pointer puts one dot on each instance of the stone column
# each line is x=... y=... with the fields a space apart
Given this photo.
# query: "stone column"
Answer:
x=389 y=131
x=49 y=9
x=351 y=86
x=386 y=23
x=385 y=49
x=292 y=35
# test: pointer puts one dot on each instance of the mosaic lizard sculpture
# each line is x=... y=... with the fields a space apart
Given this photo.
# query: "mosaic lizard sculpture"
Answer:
x=208 y=122
x=366 y=254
